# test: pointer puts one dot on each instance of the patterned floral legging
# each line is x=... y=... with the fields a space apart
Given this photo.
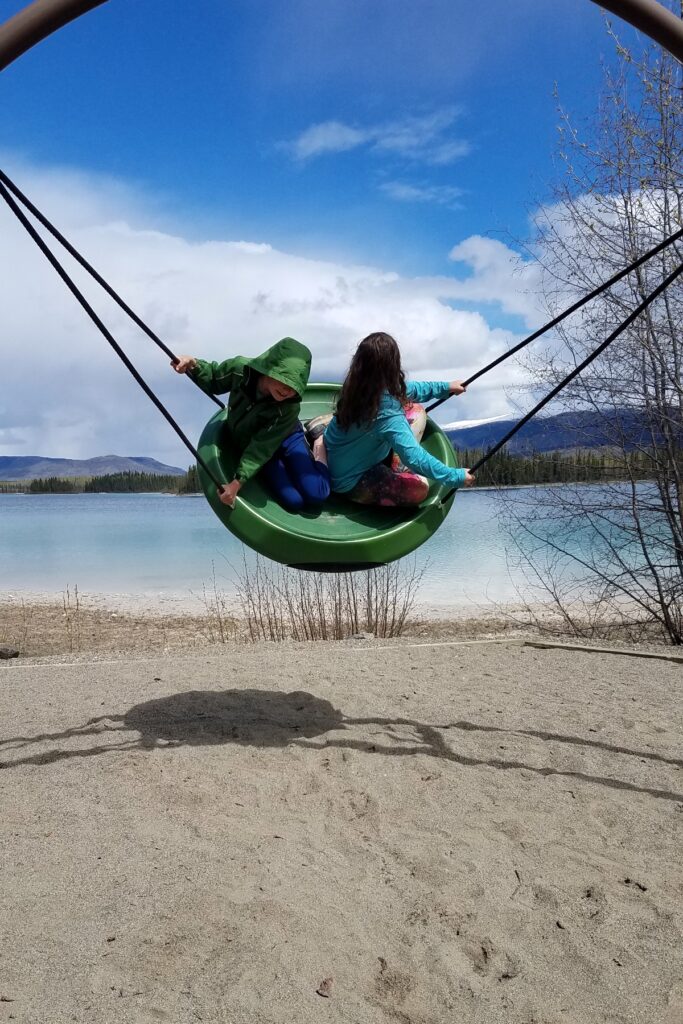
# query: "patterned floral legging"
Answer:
x=389 y=482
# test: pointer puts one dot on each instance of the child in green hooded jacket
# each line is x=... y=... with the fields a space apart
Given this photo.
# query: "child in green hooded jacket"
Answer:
x=262 y=424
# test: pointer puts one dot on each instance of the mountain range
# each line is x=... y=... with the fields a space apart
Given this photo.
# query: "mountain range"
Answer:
x=30 y=467
x=575 y=429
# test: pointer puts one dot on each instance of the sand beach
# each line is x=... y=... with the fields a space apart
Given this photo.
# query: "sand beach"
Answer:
x=405 y=831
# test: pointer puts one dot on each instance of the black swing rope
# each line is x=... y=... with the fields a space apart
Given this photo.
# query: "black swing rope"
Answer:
x=565 y=313
x=7 y=185
x=42 y=219
x=47 y=252
x=574 y=373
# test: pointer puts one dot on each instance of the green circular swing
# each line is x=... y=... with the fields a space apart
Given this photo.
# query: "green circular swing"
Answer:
x=341 y=535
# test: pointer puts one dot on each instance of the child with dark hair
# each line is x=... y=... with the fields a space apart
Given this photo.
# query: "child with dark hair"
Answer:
x=262 y=427
x=372 y=440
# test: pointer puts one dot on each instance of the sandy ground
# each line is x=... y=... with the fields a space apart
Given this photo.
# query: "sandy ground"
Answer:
x=484 y=833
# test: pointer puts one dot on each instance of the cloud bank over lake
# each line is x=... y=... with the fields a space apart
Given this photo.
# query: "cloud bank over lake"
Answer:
x=66 y=393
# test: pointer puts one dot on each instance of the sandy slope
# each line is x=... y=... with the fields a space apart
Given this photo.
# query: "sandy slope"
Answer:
x=452 y=834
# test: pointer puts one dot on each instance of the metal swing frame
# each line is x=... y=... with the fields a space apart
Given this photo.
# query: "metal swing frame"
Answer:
x=43 y=17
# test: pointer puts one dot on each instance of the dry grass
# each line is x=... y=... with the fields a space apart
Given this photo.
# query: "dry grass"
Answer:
x=70 y=626
x=42 y=629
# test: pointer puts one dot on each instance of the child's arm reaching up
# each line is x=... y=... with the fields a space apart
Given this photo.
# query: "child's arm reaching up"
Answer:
x=214 y=378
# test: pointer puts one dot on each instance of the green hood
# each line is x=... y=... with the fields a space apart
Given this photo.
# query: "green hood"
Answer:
x=287 y=361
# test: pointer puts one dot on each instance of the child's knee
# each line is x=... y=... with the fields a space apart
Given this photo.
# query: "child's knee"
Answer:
x=291 y=500
x=315 y=492
x=423 y=488
x=414 y=489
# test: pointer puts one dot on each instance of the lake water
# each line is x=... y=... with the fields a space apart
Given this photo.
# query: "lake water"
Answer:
x=162 y=545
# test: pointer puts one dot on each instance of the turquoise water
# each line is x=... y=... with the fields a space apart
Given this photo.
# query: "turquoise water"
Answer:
x=162 y=544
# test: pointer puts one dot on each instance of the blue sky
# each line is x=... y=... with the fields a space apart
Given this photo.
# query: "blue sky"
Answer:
x=200 y=106
x=348 y=134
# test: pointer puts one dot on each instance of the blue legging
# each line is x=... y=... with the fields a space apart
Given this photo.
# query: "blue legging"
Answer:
x=294 y=477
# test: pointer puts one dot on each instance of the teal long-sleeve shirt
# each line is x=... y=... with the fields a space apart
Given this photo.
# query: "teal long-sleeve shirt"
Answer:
x=353 y=452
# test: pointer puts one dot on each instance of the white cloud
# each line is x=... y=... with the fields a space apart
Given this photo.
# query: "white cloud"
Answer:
x=442 y=195
x=327 y=137
x=448 y=152
x=421 y=138
x=65 y=393
x=499 y=275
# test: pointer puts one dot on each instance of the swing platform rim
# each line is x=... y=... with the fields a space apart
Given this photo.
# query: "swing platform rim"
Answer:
x=373 y=536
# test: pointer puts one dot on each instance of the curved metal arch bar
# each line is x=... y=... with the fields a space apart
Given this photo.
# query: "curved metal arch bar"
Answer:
x=40 y=19
x=43 y=17
x=652 y=18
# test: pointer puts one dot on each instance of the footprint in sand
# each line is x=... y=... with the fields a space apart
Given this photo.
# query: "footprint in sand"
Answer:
x=487 y=959
x=359 y=803
x=392 y=985
x=593 y=903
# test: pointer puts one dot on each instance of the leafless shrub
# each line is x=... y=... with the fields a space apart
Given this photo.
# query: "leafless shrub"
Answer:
x=279 y=603
x=72 y=617
x=218 y=625
x=581 y=567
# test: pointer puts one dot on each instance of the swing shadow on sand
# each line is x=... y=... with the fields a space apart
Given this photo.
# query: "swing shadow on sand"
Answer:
x=263 y=718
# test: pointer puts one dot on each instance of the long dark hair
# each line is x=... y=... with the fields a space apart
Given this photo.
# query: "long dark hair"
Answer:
x=375 y=368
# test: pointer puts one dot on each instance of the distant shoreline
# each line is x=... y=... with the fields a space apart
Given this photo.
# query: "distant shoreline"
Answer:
x=200 y=494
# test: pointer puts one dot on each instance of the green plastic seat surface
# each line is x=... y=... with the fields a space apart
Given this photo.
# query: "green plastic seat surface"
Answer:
x=341 y=535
